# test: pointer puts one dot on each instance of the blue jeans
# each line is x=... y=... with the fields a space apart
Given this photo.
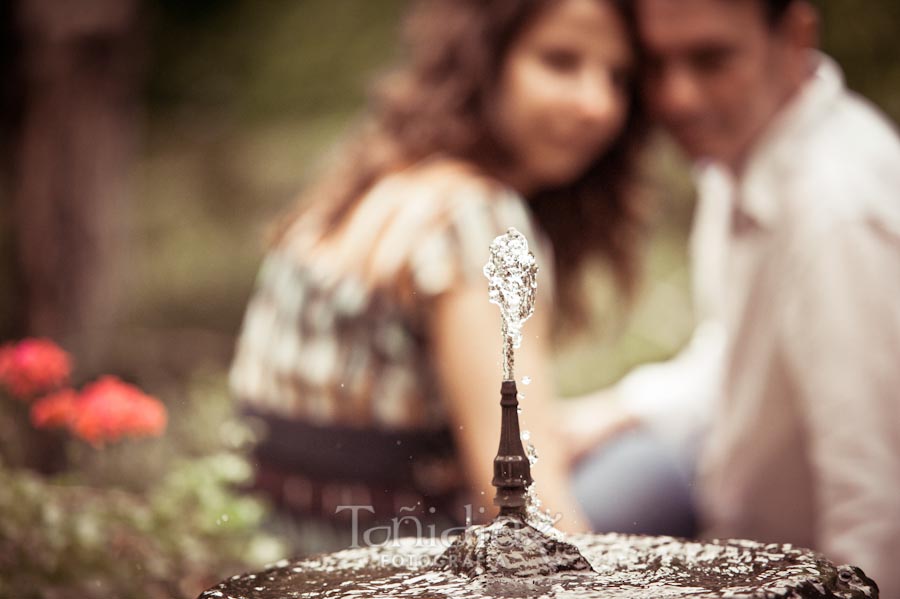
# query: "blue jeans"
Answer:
x=633 y=484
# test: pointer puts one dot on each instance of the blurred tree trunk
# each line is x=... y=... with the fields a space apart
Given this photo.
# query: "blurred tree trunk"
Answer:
x=72 y=159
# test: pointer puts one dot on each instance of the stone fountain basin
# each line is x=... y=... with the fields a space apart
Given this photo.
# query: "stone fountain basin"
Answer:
x=624 y=567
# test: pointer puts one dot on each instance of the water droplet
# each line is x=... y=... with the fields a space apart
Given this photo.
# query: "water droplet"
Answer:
x=526 y=435
x=526 y=380
x=432 y=510
x=531 y=452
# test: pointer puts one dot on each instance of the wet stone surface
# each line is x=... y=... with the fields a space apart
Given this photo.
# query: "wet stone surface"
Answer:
x=621 y=567
x=511 y=547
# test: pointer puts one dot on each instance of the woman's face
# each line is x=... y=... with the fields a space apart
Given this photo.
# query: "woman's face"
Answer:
x=562 y=97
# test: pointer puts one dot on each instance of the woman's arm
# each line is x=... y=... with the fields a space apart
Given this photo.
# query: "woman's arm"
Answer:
x=465 y=331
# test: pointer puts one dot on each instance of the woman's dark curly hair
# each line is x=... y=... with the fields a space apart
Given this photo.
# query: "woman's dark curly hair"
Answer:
x=438 y=102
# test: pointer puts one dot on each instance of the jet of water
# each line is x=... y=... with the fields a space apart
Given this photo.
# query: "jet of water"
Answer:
x=512 y=275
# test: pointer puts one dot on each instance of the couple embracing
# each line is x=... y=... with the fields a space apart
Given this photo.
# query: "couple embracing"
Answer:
x=370 y=329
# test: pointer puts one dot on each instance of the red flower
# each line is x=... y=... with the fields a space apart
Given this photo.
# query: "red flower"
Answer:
x=33 y=366
x=55 y=410
x=110 y=409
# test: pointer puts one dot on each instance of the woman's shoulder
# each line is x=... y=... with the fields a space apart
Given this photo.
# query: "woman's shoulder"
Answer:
x=458 y=197
x=446 y=182
x=449 y=213
x=445 y=194
x=437 y=216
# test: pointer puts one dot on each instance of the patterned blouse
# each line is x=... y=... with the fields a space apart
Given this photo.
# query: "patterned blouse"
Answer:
x=336 y=334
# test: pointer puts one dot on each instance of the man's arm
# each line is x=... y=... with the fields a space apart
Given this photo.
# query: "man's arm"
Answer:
x=841 y=342
x=674 y=398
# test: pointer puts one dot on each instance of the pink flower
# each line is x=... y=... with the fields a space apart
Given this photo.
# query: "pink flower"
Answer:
x=55 y=410
x=33 y=366
x=110 y=409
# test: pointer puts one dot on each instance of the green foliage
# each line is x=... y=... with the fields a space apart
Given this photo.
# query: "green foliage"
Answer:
x=253 y=61
x=862 y=36
x=159 y=518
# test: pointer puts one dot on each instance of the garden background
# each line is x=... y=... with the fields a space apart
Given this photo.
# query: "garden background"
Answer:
x=146 y=147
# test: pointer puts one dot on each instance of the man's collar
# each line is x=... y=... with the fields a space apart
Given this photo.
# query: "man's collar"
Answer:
x=775 y=147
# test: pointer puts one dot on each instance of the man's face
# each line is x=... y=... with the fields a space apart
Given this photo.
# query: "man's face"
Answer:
x=717 y=72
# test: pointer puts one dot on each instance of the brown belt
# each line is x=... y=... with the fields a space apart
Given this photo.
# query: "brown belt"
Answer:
x=313 y=470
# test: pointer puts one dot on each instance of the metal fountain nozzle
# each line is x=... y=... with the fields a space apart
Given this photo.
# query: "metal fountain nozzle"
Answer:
x=512 y=470
x=512 y=273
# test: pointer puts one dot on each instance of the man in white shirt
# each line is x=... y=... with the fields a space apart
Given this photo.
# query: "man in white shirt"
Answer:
x=797 y=246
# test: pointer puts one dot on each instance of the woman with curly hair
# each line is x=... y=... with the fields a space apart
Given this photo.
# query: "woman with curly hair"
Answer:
x=369 y=349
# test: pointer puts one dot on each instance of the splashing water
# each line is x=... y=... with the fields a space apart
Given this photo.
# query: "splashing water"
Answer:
x=532 y=454
x=534 y=515
x=512 y=275
x=538 y=517
x=526 y=380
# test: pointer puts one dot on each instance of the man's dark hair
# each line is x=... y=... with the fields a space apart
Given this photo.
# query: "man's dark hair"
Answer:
x=775 y=9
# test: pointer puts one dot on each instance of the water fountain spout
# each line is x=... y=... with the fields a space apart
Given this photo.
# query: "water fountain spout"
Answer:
x=512 y=276
x=512 y=470
x=514 y=544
